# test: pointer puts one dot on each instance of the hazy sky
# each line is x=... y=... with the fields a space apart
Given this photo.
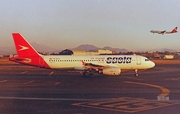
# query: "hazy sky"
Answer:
x=68 y=23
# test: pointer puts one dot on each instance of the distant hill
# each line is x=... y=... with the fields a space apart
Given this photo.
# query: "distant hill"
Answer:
x=164 y=49
x=39 y=47
x=42 y=47
x=7 y=50
x=115 y=49
x=87 y=47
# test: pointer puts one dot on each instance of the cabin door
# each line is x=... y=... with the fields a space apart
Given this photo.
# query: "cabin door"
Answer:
x=138 y=60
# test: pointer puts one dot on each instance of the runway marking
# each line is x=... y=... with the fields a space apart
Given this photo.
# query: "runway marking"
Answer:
x=173 y=79
x=51 y=73
x=24 y=72
x=3 y=81
x=57 y=83
x=165 y=91
x=28 y=82
x=134 y=78
x=44 y=99
x=126 y=104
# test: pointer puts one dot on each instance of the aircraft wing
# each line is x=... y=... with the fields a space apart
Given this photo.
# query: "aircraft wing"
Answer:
x=162 y=32
x=97 y=66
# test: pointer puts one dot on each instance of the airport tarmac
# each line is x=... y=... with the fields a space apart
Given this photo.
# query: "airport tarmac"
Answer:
x=27 y=89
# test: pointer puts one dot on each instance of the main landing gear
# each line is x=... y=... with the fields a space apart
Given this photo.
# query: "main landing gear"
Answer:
x=88 y=74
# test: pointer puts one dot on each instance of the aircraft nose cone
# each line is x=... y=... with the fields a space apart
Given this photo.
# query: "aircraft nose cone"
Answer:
x=152 y=64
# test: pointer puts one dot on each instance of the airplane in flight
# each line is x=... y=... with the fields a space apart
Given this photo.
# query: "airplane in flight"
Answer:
x=164 y=31
x=111 y=65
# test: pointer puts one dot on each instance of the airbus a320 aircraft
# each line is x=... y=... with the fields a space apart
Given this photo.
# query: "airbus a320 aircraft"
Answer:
x=164 y=31
x=88 y=65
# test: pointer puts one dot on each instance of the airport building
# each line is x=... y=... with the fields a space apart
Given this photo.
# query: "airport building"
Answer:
x=168 y=56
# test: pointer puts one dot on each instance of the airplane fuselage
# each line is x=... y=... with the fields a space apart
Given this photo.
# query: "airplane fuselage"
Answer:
x=76 y=62
x=164 y=31
x=105 y=64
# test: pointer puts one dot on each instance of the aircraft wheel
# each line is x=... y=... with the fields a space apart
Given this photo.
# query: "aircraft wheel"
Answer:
x=84 y=74
x=136 y=73
x=91 y=75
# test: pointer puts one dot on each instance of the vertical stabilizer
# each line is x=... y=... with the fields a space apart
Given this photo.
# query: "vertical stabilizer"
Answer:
x=174 y=30
x=26 y=53
x=23 y=48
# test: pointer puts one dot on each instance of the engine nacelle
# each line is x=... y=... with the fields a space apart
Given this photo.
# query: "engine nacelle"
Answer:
x=113 y=71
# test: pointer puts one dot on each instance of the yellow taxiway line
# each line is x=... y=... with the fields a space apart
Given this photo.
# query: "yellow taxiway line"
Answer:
x=165 y=91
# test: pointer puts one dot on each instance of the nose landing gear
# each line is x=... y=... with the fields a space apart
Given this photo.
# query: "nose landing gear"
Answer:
x=136 y=72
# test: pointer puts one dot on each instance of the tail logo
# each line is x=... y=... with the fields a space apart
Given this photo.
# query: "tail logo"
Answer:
x=23 y=48
x=27 y=60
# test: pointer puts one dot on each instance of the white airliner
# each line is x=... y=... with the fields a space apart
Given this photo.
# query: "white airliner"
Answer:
x=164 y=31
x=105 y=64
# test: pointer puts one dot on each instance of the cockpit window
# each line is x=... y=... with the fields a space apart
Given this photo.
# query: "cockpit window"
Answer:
x=146 y=59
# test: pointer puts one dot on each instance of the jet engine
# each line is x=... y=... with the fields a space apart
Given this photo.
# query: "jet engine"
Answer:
x=112 y=71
